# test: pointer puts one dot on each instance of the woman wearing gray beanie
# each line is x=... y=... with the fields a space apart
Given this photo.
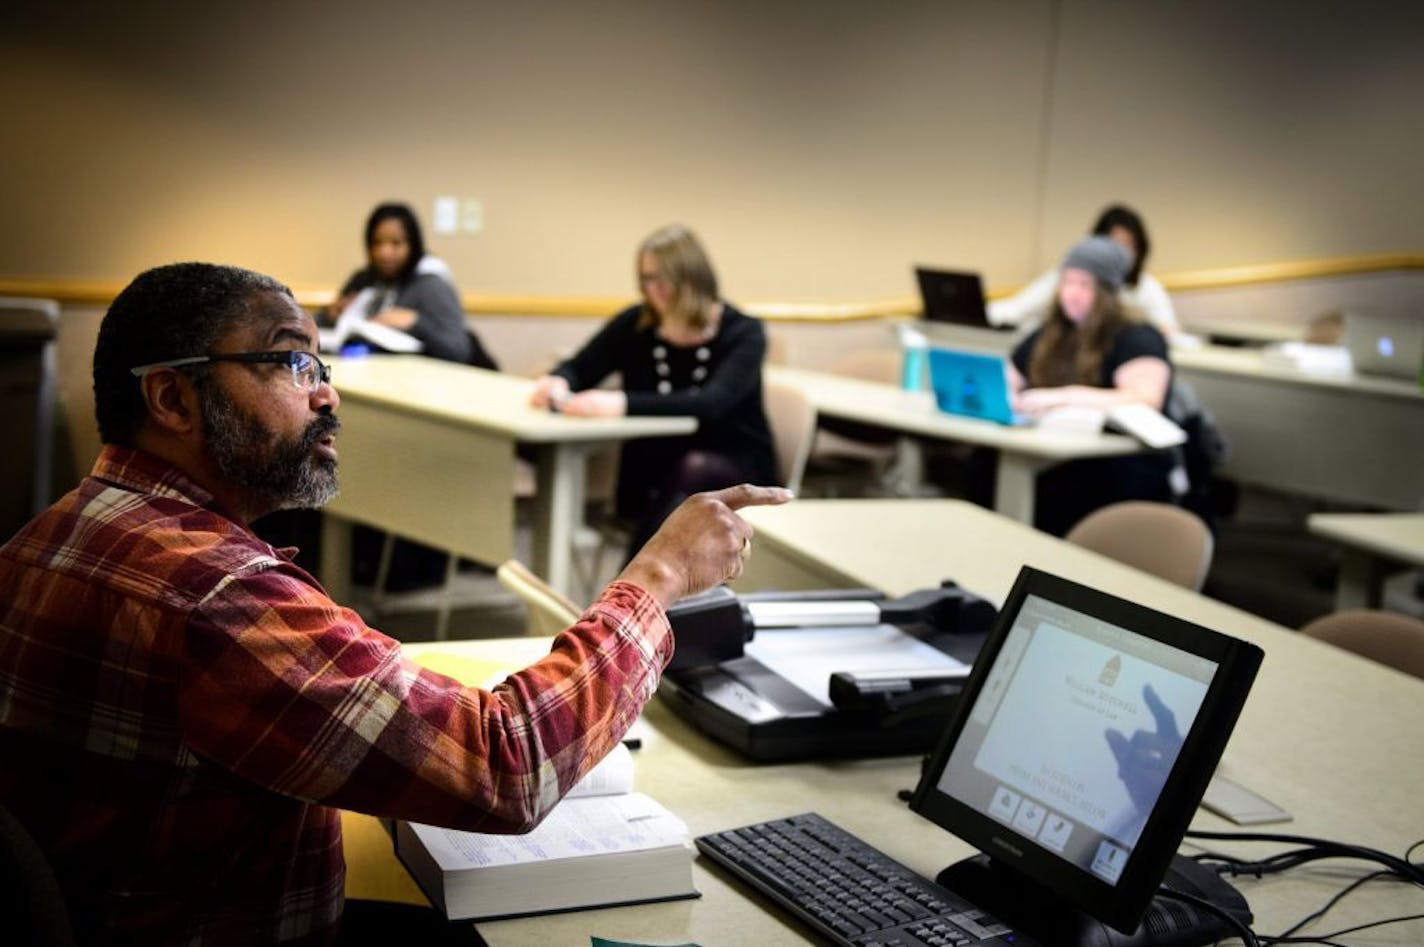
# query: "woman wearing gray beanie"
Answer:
x=1092 y=353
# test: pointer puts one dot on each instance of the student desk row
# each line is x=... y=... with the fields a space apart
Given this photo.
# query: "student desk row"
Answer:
x=1371 y=544
x=1349 y=438
x=427 y=451
x=1331 y=737
x=1023 y=451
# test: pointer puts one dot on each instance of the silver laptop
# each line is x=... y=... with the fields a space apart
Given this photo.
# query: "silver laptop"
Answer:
x=1385 y=345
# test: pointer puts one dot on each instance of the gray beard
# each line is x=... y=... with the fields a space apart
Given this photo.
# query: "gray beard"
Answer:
x=282 y=475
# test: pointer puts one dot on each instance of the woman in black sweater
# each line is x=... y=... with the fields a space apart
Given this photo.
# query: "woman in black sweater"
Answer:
x=682 y=351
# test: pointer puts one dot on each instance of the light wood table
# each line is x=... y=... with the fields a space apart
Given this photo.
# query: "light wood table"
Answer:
x=1370 y=545
x=427 y=452
x=1023 y=451
x=1349 y=438
x=1299 y=741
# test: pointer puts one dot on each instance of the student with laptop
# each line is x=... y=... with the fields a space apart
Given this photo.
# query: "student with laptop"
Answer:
x=1092 y=352
x=1139 y=290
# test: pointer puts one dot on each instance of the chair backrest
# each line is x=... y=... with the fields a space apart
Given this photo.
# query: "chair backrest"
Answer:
x=1159 y=538
x=550 y=611
x=1387 y=637
x=30 y=897
x=793 y=423
x=777 y=348
x=882 y=365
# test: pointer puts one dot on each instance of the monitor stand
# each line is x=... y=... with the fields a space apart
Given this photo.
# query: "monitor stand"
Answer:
x=1036 y=910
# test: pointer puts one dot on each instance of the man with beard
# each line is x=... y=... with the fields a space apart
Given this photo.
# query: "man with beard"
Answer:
x=183 y=709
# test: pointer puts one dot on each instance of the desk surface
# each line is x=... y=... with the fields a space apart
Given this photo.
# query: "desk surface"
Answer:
x=481 y=400
x=1252 y=362
x=1298 y=741
x=1393 y=535
x=914 y=412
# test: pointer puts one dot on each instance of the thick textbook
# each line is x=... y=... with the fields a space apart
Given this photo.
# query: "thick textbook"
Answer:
x=593 y=851
x=590 y=851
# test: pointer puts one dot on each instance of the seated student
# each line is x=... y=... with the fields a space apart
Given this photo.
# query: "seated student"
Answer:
x=683 y=350
x=183 y=710
x=1140 y=290
x=1094 y=353
x=403 y=287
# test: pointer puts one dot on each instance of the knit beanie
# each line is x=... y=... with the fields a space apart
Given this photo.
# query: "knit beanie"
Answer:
x=1106 y=259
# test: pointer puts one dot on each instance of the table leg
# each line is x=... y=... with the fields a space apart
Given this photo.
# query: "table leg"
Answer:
x=558 y=511
x=335 y=563
x=1013 y=486
x=1359 y=582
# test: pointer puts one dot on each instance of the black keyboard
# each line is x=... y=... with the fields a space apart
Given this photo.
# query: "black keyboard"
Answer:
x=854 y=894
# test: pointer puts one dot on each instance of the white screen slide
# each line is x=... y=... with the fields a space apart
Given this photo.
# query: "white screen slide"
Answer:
x=1074 y=733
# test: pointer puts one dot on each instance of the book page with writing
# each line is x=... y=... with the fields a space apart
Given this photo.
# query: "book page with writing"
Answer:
x=575 y=828
x=611 y=777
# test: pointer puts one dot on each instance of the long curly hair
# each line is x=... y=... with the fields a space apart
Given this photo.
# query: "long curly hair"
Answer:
x=1069 y=353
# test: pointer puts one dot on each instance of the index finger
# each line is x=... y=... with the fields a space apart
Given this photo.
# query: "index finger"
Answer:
x=744 y=494
x=1166 y=720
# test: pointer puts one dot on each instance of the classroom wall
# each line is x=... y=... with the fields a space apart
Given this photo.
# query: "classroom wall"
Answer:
x=820 y=149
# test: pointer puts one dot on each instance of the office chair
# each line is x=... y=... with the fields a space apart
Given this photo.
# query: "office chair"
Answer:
x=1159 y=538
x=777 y=348
x=550 y=611
x=792 y=418
x=846 y=452
x=1387 y=637
x=30 y=899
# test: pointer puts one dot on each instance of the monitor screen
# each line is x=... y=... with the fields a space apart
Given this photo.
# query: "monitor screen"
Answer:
x=1084 y=740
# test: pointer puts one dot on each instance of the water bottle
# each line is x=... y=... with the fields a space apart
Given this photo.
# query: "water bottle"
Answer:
x=915 y=348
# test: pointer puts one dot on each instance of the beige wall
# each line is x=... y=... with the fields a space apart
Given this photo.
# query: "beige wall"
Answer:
x=820 y=148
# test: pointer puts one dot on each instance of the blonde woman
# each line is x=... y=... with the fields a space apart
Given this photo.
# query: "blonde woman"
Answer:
x=681 y=351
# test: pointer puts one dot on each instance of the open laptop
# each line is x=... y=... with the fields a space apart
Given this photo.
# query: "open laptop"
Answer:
x=1385 y=345
x=952 y=297
x=972 y=384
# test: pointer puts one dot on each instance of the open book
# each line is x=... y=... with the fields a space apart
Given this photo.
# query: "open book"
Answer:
x=603 y=845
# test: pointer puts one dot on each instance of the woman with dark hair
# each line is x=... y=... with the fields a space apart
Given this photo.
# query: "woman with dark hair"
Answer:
x=402 y=300
x=404 y=289
x=1141 y=291
x=681 y=351
x=1091 y=352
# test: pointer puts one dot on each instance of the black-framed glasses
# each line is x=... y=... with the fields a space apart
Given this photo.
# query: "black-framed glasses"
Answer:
x=308 y=371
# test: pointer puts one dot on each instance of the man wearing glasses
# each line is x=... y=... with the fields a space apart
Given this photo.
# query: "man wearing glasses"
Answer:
x=182 y=708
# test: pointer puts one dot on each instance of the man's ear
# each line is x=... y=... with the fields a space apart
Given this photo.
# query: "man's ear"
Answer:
x=173 y=403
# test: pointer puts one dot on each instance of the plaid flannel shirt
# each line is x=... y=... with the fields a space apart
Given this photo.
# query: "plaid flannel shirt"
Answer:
x=182 y=711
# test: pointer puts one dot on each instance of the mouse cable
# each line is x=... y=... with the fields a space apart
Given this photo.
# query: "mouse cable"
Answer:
x=1322 y=848
x=1286 y=936
x=1329 y=938
x=1282 y=861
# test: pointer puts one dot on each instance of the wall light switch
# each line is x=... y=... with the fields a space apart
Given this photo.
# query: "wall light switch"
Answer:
x=472 y=216
x=447 y=215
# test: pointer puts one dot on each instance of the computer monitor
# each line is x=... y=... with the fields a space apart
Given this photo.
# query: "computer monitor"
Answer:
x=951 y=296
x=1075 y=759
